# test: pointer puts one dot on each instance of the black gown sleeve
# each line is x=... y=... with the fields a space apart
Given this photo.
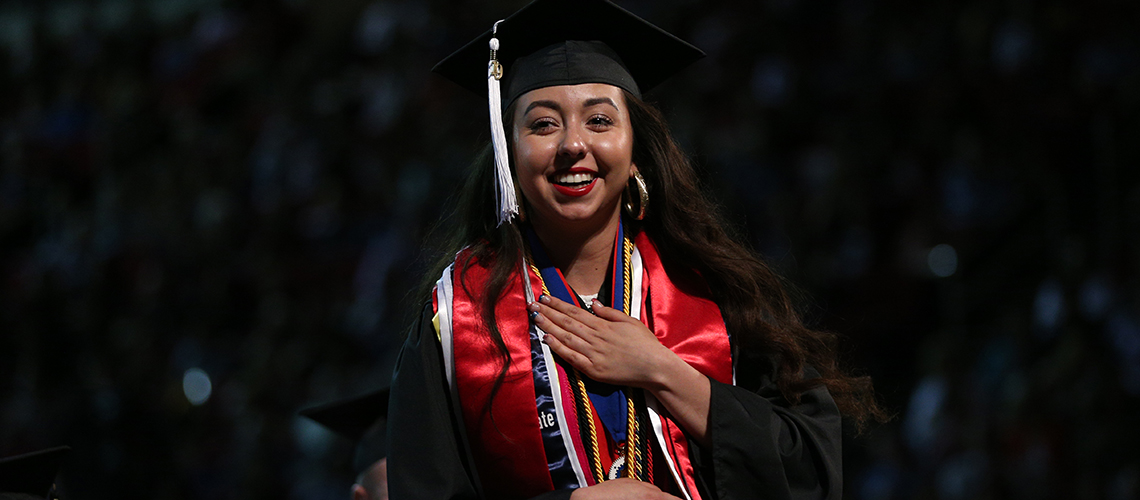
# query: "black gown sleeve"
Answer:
x=425 y=460
x=764 y=447
x=426 y=457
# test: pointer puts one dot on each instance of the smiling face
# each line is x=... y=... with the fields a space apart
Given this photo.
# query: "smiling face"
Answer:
x=573 y=153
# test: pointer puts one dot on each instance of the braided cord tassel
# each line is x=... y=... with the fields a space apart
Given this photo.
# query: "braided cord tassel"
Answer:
x=508 y=205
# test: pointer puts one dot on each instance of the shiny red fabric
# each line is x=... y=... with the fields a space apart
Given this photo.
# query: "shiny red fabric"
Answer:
x=508 y=450
x=507 y=444
x=684 y=316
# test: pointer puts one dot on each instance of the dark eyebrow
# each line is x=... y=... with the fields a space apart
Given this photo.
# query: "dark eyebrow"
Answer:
x=546 y=104
x=594 y=101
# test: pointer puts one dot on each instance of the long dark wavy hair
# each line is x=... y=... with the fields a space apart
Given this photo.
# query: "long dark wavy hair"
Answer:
x=769 y=336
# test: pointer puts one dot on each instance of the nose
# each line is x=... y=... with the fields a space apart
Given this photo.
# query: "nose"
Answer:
x=573 y=143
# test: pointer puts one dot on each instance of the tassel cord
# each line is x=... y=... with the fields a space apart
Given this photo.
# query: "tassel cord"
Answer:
x=508 y=206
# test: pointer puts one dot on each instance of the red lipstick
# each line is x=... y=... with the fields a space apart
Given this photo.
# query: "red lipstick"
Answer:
x=577 y=189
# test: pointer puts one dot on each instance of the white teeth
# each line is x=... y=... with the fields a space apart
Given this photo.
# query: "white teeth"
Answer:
x=573 y=178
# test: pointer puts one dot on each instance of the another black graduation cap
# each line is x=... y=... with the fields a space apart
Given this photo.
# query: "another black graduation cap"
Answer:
x=32 y=474
x=362 y=419
x=569 y=42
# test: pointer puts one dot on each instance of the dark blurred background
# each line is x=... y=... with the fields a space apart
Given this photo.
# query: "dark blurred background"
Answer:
x=212 y=214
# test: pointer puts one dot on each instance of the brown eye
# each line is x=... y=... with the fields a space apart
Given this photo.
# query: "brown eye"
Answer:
x=542 y=124
x=600 y=120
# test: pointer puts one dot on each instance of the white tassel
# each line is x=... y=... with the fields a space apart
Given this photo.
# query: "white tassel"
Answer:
x=508 y=204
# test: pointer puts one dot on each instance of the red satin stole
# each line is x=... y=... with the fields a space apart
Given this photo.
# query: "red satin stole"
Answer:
x=506 y=443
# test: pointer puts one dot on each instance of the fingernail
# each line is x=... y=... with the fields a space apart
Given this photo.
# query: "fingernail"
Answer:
x=532 y=306
x=544 y=298
x=596 y=302
x=534 y=315
x=543 y=339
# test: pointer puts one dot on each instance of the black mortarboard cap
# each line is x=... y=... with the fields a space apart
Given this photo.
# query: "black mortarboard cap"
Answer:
x=363 y=420
x=32 y=473
x=568 y=42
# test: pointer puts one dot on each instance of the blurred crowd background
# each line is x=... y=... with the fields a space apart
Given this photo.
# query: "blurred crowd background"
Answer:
x=213 y=213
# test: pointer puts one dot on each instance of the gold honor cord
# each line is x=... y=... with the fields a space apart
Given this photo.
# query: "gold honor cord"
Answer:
x=545 y=291
x=584 y=407
x=632 y=450
x=627 y=253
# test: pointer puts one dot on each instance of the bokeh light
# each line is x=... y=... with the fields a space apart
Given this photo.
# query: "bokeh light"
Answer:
x=942 y=260
x=196 y=385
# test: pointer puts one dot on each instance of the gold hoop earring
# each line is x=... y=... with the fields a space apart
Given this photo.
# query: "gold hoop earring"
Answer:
x=642 y=197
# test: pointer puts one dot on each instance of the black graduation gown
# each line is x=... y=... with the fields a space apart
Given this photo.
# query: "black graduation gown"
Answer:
x=761 y=447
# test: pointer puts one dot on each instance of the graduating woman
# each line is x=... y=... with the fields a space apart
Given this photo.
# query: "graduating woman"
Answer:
x=597 y=333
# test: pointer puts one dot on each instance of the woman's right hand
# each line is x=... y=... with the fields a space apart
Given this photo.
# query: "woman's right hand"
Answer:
x=622 y=488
